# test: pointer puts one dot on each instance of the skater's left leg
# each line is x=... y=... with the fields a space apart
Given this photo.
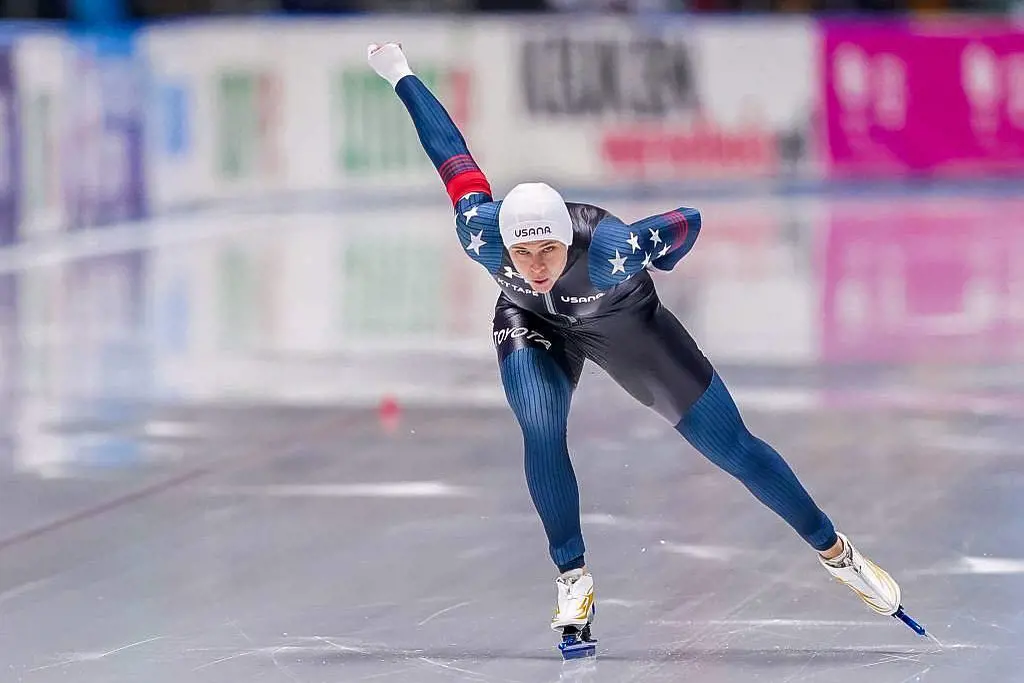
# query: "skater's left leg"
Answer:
x=714 y=427
x=651 y=355
x=654 y=358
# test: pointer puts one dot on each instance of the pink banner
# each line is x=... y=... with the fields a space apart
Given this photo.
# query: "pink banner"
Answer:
x=933 y=282
x=926 y=98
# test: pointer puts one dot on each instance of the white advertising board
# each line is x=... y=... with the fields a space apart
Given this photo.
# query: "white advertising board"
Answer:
x=611 y=102
x=254 y=108
x=251 y=109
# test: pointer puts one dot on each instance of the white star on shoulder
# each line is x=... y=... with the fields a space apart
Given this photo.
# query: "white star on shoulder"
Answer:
x=655 y=235
x=647 y=260
x=475 y=242
x=618 y=263
x=468 y=215
x=665 y=250
x=634 y=242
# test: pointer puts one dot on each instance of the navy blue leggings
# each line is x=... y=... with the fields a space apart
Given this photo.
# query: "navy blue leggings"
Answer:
x=540 y=366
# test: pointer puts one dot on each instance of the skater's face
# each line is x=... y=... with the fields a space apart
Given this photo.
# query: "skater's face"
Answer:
x=541 y=262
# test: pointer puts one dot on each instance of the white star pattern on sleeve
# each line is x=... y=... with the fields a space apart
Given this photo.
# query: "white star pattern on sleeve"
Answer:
x=655 y=236
x=618 y=263
x=665 y=250
x=469 y=215
x=647 y=260
x=634 y=242
x=475 y=242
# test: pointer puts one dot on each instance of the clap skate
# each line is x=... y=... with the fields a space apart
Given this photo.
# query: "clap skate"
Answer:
x=871 y=583
x=574 y=614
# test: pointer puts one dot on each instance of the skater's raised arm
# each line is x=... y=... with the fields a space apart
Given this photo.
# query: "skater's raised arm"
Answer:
x=438 y=134
x=619 y=251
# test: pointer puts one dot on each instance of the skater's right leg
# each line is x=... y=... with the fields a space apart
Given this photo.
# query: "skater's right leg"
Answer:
x=539 y=394
x=539 y=374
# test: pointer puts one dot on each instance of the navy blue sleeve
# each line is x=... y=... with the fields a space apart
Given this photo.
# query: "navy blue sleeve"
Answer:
x=619 y=251
x=676 y=233
x=442 y=141
x=476 y=222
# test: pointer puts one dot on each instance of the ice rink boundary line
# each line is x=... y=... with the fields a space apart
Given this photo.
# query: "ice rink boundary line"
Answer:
x=101 y=508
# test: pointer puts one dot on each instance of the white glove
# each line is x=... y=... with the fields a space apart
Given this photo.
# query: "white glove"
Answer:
x=389 y=61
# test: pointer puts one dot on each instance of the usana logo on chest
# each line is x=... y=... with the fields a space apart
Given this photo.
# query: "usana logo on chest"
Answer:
x=582 y=299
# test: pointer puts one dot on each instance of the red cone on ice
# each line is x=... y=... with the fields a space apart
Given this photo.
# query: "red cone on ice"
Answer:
x=389 y=413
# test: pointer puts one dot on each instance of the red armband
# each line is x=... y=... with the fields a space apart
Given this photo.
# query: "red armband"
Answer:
x=466 y=183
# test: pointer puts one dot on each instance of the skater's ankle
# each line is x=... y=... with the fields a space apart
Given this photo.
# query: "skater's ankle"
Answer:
x=834 y=552
x=575 y=563
x=575 y=573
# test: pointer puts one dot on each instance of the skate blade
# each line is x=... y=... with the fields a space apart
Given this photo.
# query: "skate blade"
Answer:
x=916 y=627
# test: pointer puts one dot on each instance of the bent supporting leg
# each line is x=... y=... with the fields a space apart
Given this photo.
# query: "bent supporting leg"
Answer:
x=539 y=394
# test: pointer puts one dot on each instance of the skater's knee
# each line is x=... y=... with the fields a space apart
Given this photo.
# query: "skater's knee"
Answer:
x=745 y=457
x=542 y=430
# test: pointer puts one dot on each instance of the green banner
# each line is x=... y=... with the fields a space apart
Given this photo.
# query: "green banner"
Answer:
x=246 y=106
x=372 y=129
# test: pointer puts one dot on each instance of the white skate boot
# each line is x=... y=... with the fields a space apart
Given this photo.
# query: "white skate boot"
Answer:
x=574 y=613
x=871 y=583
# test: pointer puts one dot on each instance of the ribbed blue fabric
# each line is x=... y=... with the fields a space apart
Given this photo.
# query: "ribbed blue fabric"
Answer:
x=714 y=427
x=539 y=394
x=439 y=135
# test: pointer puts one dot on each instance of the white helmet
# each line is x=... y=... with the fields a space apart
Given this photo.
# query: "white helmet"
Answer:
x=534 y=211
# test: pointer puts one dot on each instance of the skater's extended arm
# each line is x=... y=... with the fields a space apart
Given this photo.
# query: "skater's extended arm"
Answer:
x=476 y=216
x=440 y=137
x=619 y=251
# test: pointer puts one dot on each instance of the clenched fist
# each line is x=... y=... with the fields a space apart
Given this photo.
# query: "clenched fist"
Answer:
x=388 y=61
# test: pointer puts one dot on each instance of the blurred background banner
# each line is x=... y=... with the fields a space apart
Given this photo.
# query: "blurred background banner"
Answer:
x=216 y=111
x=78 y=109
x=9 y=149
x=665 y=101
x=178 y=115
x=42 y=76
x=935 y=97
x=233 y=118
x=104 y=128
